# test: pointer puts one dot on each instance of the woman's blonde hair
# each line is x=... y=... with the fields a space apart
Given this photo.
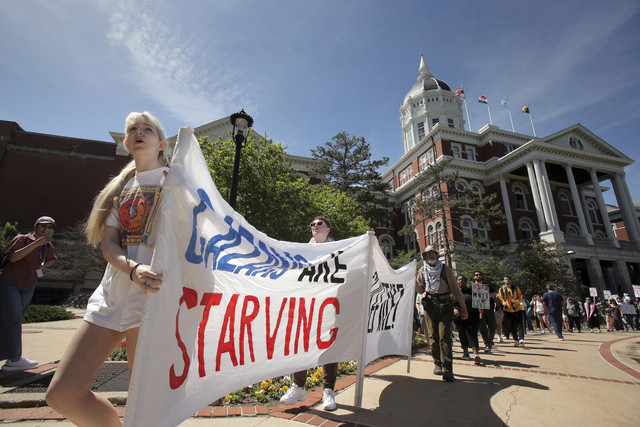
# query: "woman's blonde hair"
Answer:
x=105 y=200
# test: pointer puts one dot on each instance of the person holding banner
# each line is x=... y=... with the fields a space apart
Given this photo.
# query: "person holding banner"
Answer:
x=320 y=228
x=122 y=221
x=488 y=324
x=436 y=283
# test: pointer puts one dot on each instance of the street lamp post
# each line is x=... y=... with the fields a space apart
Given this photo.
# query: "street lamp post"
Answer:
x=571 y=254
x=241 y=123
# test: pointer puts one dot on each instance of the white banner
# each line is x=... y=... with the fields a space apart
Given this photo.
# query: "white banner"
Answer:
x=237 y=307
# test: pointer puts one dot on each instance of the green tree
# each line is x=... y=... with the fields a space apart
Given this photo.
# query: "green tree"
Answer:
x=272 y=198
x=439 y=197
x=346 y=163
x=403 y=258
x=539 y=263
x=7 y=233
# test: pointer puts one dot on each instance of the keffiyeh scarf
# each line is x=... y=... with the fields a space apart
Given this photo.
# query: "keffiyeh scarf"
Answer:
x=432 y=277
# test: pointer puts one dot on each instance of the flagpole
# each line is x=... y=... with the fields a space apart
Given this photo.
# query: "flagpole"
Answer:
x=357 y=399
x=510 y=116
x=532 y=126
x=466 y=109
x=488 y=108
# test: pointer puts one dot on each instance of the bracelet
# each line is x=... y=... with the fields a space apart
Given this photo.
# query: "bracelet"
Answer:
x=132 y=270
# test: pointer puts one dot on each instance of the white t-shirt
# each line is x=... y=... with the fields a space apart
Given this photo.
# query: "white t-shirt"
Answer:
x=118 y=303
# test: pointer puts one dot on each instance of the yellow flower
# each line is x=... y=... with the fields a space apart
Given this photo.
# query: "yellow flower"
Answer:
x=228 y=398
x=264 y=384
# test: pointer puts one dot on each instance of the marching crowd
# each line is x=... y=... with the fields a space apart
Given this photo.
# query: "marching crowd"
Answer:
x=443 y=303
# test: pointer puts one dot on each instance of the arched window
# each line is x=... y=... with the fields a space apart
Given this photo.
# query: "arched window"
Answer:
x=461 y=186
x=526 y=228
x=431 y=232
x=386 y=244
x=600 y=235
x=519 y=194
x=467 y=230
x=440 y=236
x=477 y=191
x=565 y=204
x=593 y=212
x=411 y=241
x=573 y=229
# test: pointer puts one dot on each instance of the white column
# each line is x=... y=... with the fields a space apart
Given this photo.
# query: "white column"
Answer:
x=625 y=209
x=507 y=210
x=549 y=194
x=585 y=213
x=601 y=205
x=543 y=196
x=536 y=197
x=634 y=215
x=577 y=204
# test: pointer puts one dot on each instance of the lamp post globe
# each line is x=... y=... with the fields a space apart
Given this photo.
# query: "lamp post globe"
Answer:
x=241 y=123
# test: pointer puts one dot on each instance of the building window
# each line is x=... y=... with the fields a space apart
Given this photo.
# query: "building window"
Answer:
x=440 y=236
x=573 y=229
x=600 y=235
x=409 y=173
x=450 y=121
x=467 y=231
x=403 y=177
x=477 y=191
x=431 y=156
x=420 y=131
x=423 y=162
x=521 y=201
x=508 y=148
x=527 y=228
x=457 y=151
x=411 y=241
x=471 y=154
x=410 y=142
x=482 y=231
x=435 y=121
x=386 y=244
x=462 y=188
x=593 y=212
x=565 y=205
x=432 y=235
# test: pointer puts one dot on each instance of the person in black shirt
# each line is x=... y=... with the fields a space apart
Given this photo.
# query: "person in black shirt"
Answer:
x=467 y=328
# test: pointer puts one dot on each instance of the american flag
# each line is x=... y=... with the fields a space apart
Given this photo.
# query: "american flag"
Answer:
x=459 y=92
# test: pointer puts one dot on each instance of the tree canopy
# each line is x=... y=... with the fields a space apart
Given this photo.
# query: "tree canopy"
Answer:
x=346 y=164
x=272 y=198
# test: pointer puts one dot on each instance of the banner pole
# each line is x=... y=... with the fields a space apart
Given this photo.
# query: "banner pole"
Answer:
x=357 y=400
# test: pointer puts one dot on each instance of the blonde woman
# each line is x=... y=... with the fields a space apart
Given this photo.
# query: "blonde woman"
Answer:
x=121 y=220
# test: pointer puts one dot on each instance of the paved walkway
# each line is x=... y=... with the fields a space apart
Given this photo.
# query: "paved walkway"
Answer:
x=589 y=376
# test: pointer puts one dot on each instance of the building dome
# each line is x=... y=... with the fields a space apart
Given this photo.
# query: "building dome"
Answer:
x=426 y=82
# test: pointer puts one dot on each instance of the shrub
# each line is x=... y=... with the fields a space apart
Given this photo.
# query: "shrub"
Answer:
x=46 y=313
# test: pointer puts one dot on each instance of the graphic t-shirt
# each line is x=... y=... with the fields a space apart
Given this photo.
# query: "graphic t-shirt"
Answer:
x=135 y=211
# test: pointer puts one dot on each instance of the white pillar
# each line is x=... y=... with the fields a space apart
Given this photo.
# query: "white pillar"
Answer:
x=632 y=207
x=542 y=189
x=507 y=210
x=536 y=197
x=549 y=194
x=602 y=207
x=625 y=209
x=577 y=205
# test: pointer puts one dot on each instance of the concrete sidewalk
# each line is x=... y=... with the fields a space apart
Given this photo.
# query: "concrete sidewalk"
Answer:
x=589 y=376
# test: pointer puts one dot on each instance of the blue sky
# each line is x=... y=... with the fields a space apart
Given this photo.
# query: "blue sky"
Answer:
x=306 y=70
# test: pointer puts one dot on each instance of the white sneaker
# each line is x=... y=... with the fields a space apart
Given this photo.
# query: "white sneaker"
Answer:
x=521 y=342
x=19 y=365
x=293 y=395
x=328 y=400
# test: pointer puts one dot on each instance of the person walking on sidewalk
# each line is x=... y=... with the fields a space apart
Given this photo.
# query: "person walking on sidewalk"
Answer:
x=436 y=283
x=574 y=313
x=320 y=228
x=488 y=323
x=591 y=313
x=552 y=304
x=122 y=220
x=467 y=329
x=510 y=297
x=22 y=266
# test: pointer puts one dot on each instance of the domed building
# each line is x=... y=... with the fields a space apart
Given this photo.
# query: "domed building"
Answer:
x=548 y=187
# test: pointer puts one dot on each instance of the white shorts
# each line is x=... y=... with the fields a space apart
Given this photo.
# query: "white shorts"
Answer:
x=117 y=303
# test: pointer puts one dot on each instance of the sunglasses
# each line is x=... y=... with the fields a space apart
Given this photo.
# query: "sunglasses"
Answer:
x=477 y=274
x=316 y=224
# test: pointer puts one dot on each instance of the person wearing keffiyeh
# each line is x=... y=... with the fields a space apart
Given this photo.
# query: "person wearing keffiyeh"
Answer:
x=436 y=283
